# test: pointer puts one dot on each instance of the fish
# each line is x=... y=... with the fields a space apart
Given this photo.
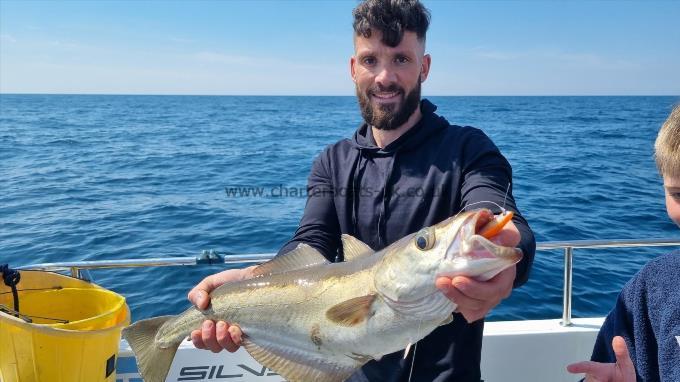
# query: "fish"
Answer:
x=308 y=319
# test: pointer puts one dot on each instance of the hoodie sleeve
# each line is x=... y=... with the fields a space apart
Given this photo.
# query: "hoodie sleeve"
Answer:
x=319 y=226
x=487 y=176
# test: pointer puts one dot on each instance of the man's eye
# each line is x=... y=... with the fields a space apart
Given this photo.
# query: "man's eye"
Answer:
x=401 y=60
x=369 y=61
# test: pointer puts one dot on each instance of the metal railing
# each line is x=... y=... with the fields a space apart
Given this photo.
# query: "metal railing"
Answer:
x=212 y=257
x=569 y=247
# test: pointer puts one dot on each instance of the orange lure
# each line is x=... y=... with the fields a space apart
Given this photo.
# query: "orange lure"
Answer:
x=496 y=224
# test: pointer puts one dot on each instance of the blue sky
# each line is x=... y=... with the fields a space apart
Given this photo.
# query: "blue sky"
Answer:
x=303 y=47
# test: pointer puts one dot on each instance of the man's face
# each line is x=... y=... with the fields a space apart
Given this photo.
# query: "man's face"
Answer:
x=672 y=187
x=388 y=79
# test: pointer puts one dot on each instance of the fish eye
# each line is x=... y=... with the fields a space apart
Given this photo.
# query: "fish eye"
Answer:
x=424 y=240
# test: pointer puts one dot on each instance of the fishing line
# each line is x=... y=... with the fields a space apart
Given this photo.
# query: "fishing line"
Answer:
x=505 y=198
x=415 y=348
x=502 y=208
x=413 y=361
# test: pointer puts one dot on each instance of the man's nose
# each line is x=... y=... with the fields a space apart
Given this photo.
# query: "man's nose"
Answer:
x=386 y=76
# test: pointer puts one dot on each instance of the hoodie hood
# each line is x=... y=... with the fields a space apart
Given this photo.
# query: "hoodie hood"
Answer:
x=364 y=141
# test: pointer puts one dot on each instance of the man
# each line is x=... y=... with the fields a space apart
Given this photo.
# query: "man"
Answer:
x=404 y=169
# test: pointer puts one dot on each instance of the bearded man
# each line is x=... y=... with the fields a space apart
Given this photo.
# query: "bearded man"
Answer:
x=404 y=169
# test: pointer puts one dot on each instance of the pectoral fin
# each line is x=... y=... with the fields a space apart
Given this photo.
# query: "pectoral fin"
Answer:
x=447 y=320
x=408 y=347
x=351 y=312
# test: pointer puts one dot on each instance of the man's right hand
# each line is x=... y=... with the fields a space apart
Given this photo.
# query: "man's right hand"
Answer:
x=219 y=335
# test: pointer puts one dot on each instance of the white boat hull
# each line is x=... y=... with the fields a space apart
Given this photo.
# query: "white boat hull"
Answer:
x=530 y=350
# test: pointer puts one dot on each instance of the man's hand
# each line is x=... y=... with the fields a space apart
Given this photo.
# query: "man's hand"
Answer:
x=216 y=336
x=621 y=371
x=476 y=298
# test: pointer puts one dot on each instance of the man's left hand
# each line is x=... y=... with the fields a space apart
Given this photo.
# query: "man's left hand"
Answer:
x=476 y=298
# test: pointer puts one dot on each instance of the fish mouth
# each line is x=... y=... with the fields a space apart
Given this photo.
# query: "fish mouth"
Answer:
x=484 y=247
x=474 y=252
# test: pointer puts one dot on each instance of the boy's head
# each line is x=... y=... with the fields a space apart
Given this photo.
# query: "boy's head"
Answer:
x=667 y=156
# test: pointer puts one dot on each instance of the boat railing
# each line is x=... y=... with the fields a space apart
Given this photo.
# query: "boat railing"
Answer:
x=213 y=257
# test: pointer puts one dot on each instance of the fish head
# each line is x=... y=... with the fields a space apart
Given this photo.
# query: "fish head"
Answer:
x=450 y=248
x=463 y=252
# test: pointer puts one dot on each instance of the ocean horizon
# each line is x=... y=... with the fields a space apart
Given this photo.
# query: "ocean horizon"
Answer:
x=92 y=177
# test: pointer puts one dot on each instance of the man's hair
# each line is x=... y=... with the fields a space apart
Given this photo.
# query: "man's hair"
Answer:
x=667 y=146
x=392 y=18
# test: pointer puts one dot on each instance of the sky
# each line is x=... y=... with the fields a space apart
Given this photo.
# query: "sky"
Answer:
x=303 y=47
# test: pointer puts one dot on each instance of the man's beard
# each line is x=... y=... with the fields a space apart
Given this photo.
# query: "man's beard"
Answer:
x=384 y=116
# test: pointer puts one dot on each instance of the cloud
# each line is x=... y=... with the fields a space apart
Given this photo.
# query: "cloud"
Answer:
x=494 y=54
x=7 y=38
x=276 y=64
x=593 y=60
x=221 y=58
x=582 y=59
x=67 y=44
x=181 y=40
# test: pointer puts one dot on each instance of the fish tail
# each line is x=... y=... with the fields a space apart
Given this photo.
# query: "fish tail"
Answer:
x=153 y=360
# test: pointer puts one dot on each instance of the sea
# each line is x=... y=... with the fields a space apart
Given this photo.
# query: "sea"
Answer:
x=101 y=177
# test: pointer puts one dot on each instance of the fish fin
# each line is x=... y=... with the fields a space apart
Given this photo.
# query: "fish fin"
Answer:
x=353 y=248
x=447 y=320
x=299 y=367
x=351 y=312
x=153 y=361
x=408 y=347
x=303 y=256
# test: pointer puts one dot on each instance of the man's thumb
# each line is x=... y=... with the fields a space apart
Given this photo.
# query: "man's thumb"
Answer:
x=201 y=299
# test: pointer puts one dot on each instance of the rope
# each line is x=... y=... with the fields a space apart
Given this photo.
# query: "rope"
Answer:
x=11 y=278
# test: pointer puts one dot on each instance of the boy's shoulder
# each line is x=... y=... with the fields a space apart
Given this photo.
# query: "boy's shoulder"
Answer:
x=661 y=273
x=664 y=264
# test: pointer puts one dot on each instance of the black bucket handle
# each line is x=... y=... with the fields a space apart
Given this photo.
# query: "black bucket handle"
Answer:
x=11 y=278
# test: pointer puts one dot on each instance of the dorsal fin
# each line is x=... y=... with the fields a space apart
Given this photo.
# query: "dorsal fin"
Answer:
x=353 y=248
x=351 y=312
x=303 y=256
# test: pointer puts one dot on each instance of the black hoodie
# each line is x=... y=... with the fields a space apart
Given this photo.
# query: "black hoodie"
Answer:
x=380 y=195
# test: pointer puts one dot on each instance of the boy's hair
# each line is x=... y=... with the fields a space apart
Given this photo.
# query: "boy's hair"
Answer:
x=667 y=146
x=392 y=18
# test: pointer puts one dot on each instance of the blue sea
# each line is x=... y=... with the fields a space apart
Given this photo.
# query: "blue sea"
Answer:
x=90 y=177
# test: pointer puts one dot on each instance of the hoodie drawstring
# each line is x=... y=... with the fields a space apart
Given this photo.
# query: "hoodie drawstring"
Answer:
x=387 y=194
x=355 y=178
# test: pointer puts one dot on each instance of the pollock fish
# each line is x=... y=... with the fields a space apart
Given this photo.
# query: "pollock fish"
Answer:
x=311 y=320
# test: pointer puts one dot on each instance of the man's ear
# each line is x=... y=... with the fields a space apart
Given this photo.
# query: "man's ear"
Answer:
x=352 y=69
x=425 y=68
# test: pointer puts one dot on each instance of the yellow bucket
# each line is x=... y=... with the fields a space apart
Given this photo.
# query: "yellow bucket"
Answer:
x=81 y=347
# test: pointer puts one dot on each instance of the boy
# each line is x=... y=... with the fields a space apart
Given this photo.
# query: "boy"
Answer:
x=644 y=326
